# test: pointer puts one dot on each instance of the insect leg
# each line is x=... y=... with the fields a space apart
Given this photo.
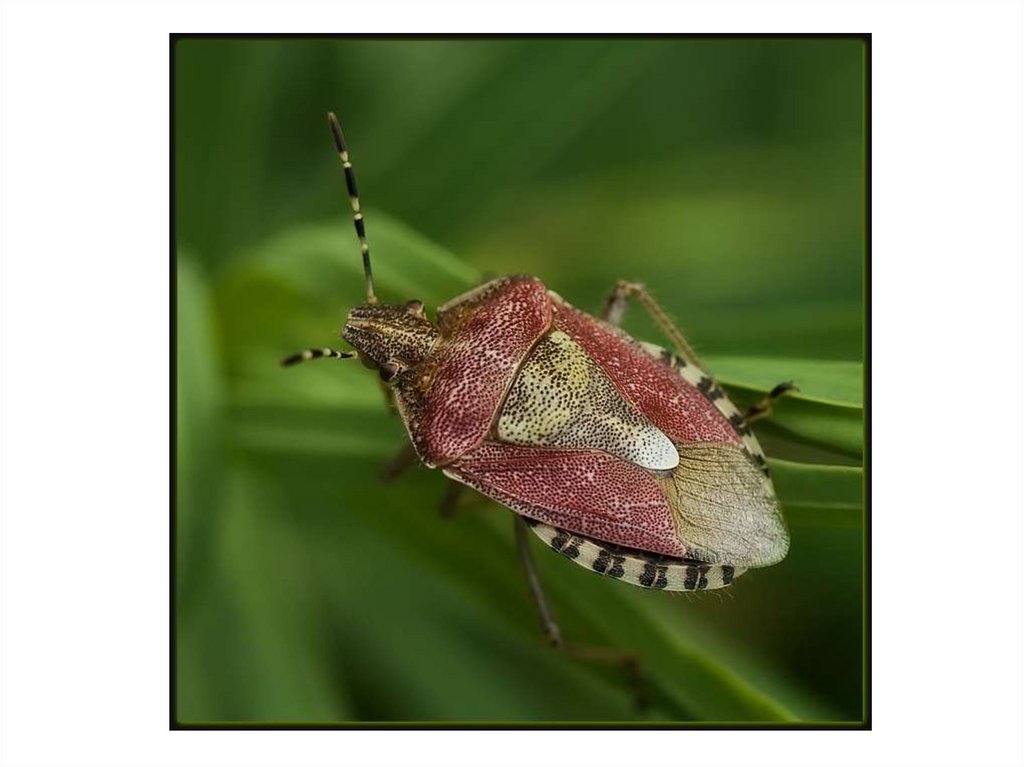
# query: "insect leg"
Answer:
x=454 y=499
x=406 y=458
x=399 y=464
x=389 y=398
x=450 y=500
x=763 y=409
x=629 y=663
x=314 y=354
x=547 y=620
x=615 y=307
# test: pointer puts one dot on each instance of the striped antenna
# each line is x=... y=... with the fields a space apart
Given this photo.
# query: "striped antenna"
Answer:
x=316 y=354
x=353 y=196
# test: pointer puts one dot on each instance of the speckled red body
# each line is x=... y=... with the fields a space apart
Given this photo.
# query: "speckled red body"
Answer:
x=622 y=456
x=451 y=401
x=678 y=408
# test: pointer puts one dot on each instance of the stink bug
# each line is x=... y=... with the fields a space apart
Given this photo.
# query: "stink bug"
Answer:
x=623 y=456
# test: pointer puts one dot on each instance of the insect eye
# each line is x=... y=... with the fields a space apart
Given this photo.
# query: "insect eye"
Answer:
x=388 y=371
x=414 y=307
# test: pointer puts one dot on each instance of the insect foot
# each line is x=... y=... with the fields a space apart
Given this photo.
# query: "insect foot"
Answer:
x=629 y=664
x=763 y=408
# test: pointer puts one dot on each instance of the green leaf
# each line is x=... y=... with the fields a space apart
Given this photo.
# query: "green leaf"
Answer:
x=308 y=590
x=707 y=675
x=295 y=290
x=830 y=428
x=826 y=413
x=323 y=262
x=820 y=494
x=827 y=382
x=694 y=676
x=199 y=421
x=802 y=484
x=327 y=421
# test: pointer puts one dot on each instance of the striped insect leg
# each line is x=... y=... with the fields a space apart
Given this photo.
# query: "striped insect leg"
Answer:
x=763 y=408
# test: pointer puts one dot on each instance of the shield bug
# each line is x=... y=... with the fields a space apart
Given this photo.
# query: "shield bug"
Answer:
x=623 y=456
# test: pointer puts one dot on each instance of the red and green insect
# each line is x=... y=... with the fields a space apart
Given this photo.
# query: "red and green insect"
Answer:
x=623 y=456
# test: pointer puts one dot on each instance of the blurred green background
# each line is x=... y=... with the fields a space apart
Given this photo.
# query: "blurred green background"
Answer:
x=727 y=174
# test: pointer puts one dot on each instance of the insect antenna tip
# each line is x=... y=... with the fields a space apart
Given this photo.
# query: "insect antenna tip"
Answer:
x=339 y=137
